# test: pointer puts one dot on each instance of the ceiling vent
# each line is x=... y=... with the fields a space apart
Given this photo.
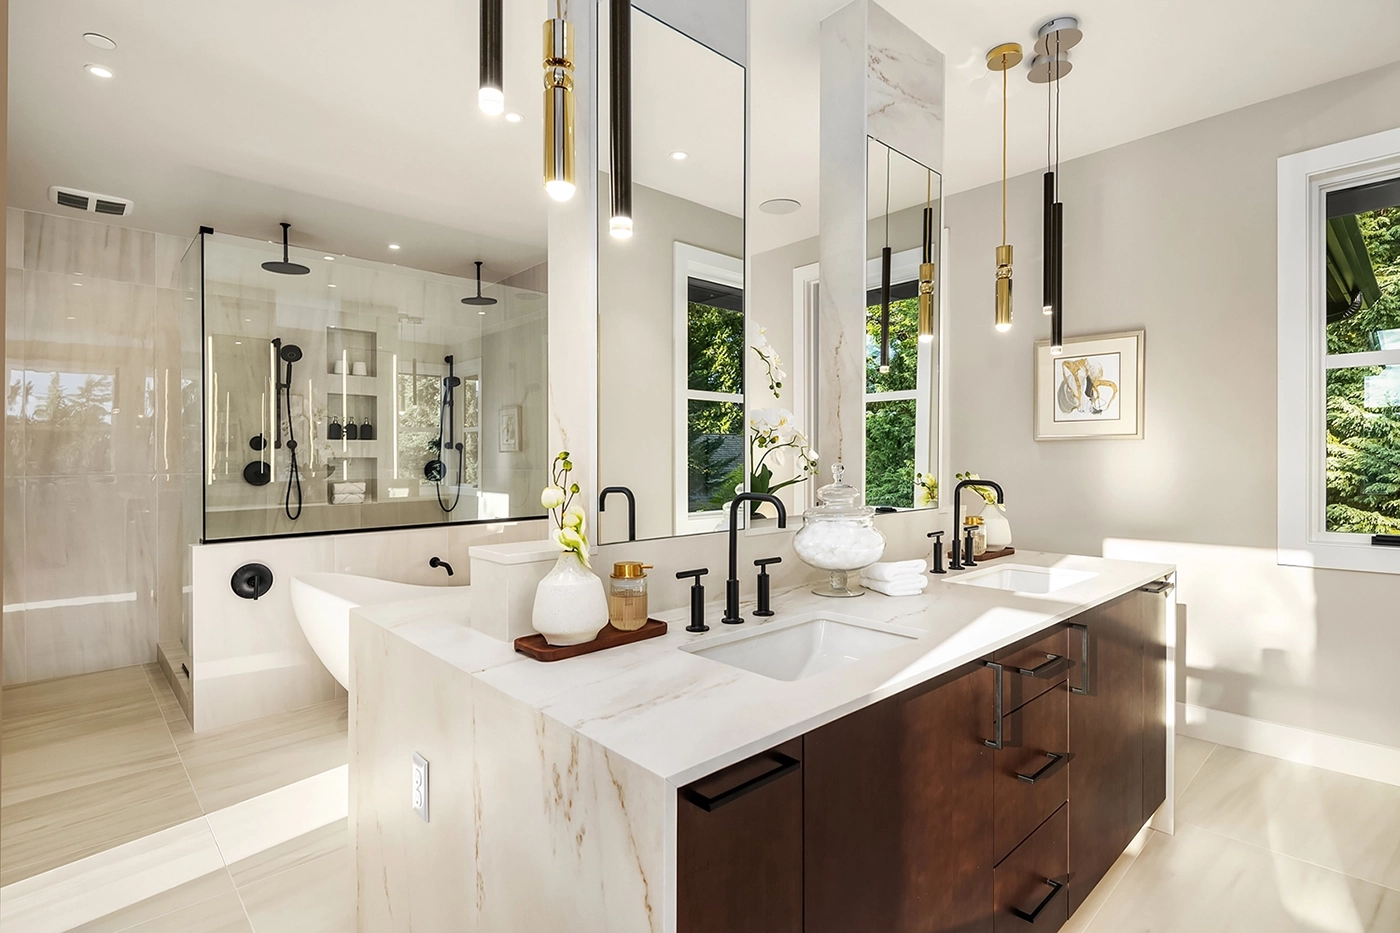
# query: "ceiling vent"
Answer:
x=90 y=202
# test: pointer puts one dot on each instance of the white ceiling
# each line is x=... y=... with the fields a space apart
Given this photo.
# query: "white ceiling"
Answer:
x=356 y=120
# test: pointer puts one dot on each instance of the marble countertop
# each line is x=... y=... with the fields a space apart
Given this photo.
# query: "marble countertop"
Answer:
x=682 y=716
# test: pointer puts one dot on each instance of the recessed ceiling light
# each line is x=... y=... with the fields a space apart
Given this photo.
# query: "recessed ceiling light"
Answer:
x=78 y=284
x=481 y=312
x=99 y=40
x=328 y=258
x=680 y=156
x=513 y=117
x=330 y=285
x=393 y=246
x=71 y=318
x=99 y=71
x=780 y=206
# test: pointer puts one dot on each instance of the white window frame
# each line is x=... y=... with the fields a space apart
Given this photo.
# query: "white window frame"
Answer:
x=696 y=262
x=1304 y=179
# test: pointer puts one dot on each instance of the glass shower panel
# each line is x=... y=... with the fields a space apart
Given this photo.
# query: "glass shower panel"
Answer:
x=383 y=380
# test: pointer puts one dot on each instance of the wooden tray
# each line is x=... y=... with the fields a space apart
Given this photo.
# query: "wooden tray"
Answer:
x=534 y=646
x=993 y=555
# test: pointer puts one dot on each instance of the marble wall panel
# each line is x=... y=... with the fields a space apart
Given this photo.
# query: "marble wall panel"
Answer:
x=99 y=250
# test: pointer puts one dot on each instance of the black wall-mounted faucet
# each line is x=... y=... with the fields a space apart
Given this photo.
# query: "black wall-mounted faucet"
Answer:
x=731 y=586
x=439 y=562
x=957 y=563
x=631 y=507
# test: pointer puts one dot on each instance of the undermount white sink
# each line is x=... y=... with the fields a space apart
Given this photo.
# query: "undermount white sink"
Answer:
x=1020 y=578
x=797 y=650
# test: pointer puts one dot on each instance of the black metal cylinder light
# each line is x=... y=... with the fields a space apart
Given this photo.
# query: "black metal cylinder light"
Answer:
x=1049 y=248
x=886 y=255
x=620 y=114
x=491 y=95
x=1057 y=319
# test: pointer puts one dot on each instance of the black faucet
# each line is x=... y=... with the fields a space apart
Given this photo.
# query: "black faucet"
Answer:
x=631 y=508
x=957 y=562
x=731 y=586
x=439 y=562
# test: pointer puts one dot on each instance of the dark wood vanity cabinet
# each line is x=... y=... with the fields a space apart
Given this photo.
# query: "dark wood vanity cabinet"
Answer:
x=901 y=818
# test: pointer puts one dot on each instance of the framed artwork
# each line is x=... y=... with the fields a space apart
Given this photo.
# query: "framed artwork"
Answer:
x=1093 y=389
x=510 y=429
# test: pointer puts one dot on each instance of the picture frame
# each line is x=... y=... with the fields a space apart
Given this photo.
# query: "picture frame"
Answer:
x=509 y=430
x=1092 y=390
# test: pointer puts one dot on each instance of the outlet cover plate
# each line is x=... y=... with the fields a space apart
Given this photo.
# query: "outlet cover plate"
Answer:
x=420 y=786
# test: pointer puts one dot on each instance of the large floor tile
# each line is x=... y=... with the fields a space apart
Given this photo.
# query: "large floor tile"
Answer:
x=1201 y=882
x=1340 y=822
x=45 y=832
x=223 y=914
x=113 y=890
x=316 y=894
x=1191 y=754
x=239 y=762
x=91 y=701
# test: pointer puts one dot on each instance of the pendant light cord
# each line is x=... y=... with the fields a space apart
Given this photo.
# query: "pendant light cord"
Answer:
x=1003 y=149
x=887 y=197
x=1057 y=114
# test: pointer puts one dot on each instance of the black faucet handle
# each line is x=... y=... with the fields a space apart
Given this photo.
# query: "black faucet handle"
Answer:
x=766 y=562
x=697 y=599
x=937 y=537
x=765 y=585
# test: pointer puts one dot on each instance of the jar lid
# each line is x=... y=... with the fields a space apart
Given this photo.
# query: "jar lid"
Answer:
x=975 y=520
x=629 y=570
x=839 y=499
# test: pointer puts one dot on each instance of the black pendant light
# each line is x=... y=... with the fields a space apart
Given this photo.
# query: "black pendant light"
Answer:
x=1050 y=66
x=620 y=115
x=490 y=96
x=885 y=262
x=478 y=300
x=285 y=266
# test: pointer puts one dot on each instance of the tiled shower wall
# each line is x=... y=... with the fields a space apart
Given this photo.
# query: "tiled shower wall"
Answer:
x=93 y=461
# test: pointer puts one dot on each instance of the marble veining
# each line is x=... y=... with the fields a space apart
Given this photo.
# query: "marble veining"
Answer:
x=904 y=89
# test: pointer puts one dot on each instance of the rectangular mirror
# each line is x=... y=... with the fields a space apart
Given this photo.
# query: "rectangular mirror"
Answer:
x=673 y=336
x=902 y=358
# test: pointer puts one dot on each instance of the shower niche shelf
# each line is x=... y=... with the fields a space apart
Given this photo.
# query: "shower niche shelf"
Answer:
x=344 y=406
x=354 y=481
x=348 y=346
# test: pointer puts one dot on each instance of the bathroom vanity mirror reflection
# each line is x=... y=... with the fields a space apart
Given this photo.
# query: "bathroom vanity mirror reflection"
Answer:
x=902 y=330
x=674 y=336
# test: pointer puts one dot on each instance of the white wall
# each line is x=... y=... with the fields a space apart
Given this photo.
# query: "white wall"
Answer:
x=1176 y=234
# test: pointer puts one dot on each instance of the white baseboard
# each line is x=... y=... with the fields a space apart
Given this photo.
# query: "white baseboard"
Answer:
x=1333 y=752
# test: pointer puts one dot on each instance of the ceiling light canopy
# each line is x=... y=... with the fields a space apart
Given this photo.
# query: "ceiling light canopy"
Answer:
x=780 y=206
x=98 y=40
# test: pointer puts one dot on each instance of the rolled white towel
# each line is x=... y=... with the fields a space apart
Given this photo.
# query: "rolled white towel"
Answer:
x=899 y=588
x=894 y=570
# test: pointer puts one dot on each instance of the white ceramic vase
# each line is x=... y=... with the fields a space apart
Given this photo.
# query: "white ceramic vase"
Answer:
x=570 y=605
x=998 y=529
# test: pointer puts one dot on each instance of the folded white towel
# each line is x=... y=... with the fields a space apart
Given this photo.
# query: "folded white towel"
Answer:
x=898 y=588
x=348 y=498
x=339 y=489
x=894 y=570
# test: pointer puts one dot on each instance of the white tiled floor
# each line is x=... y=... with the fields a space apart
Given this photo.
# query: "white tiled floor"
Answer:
x=1261 y=846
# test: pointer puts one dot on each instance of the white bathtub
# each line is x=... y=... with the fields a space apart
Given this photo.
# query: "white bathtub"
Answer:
x=323 y=601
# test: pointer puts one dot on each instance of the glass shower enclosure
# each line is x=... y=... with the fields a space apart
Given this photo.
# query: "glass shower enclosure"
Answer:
x=362 y=395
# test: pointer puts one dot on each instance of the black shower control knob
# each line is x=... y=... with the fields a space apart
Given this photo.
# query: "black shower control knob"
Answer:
x=251 y=581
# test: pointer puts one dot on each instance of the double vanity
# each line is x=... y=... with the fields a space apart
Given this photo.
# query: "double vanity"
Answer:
x=973 y=758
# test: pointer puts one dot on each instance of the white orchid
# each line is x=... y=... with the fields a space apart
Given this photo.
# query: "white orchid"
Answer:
x=770 y=359
x=552 y=497
x=568 y=515
x=574 y=517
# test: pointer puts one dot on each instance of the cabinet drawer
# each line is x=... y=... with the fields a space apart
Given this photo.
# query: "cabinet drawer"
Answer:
x=1019 y=685
x=1030 y=884
x=1030 y=784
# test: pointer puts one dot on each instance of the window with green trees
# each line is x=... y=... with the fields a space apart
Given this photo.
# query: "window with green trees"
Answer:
x=714 y=394
x=1363 y=394
x=892 y=403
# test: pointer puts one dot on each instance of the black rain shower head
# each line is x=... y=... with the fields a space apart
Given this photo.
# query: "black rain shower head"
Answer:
x=478 y=300
x=286 y=266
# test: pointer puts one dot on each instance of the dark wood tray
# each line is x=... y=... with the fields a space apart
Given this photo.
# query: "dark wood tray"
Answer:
x=993 y=555
x=534 y=646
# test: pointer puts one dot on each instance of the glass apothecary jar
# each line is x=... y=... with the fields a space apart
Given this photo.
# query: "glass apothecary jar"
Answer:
x=838 y=535
x=627 y=596
x=978 y=526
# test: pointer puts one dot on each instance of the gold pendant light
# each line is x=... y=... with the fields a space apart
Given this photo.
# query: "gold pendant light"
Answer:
x=926 y=269
x=559 y=107
x=1003 y=58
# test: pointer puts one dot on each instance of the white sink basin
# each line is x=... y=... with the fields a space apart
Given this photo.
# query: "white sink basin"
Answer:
x=1020 y=578
x=800 y=649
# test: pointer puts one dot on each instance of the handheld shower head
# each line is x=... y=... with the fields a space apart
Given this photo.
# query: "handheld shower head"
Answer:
x=478 y=300
x=285 y=266
x=290 y=353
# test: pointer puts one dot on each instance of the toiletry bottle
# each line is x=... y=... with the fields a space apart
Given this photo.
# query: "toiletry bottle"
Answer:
x=335 y=430
x=366 y=430
x=352 y=430
x=627 y=596
x=979 y=534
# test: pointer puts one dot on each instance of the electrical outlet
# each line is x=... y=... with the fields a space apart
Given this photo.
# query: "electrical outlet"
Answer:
x=420 y=786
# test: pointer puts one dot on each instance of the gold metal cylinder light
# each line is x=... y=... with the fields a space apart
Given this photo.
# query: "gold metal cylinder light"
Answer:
x=927 y=269
x=559 y=177
x=1003 y=58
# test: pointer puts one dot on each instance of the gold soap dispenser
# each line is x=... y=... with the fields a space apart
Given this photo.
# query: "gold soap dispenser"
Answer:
x=627 y=596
